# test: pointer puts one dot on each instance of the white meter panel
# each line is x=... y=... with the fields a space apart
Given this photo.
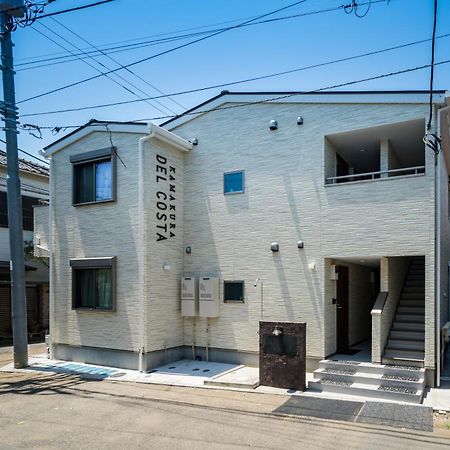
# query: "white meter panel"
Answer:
x=209 y=297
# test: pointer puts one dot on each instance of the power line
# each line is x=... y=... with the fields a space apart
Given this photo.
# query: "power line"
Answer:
x=186 y=45
x=97 y=69
x=28 y=154
x=268 y=100
x=247 y=80
x=77 y=8
x=121 y=65
x=433 y=41
x=142 y=44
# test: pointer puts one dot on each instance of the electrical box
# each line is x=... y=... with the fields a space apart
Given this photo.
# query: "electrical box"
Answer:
x=334 y=272
x=189 y=297
x=209 y=297
x=13 y=7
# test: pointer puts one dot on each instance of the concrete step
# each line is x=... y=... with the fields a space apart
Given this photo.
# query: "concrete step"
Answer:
x=413 y=290
x=411 y=310
x=414 y=303
x=403 y=355
x=366 y=390
x=402 y=344
x=369 y=368
x=413 y=380
x=408 y=326
x=415 y=318
x=412 y=296
x=409 y=335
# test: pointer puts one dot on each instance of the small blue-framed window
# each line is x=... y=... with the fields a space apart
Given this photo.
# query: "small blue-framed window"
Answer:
x=233 y=182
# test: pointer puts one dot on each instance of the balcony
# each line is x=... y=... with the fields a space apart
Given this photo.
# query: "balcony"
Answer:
x=375 y=153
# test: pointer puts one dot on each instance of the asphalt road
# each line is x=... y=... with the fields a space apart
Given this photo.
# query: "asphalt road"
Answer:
x=64 y=411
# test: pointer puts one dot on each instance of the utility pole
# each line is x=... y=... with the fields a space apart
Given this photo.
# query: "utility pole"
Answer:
x=15 y=224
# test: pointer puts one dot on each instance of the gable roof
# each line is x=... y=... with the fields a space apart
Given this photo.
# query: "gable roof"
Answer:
x=257 y=97
x=90 y=127
x=26 y=166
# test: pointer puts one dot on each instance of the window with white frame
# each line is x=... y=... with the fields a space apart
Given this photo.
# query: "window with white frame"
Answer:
x=233 y=182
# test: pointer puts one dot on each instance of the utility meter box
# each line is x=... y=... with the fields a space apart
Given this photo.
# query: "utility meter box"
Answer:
x=189 y=297
x=209 y=297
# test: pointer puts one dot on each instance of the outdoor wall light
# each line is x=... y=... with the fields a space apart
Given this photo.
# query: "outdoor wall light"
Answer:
x=299 y=120
x=312 y=266
x=166 y=267
x=277 y=331
x=274 y=247
x=188 y=249
x=194 y=141
x=300 y=244
x=273 y=125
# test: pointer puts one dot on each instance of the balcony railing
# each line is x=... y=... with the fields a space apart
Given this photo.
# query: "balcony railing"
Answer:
x=417 y=170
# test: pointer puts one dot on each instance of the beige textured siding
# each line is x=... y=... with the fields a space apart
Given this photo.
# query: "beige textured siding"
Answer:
x=164 y=326
x=109 y=229
x=286 y=201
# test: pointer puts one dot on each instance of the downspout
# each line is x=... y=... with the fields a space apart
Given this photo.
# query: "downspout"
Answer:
x=142 y=249
x=51 y=301
x=438 y=252
x=437 y=267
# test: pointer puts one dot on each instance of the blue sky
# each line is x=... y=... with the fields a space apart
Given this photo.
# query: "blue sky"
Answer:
x=234 y=55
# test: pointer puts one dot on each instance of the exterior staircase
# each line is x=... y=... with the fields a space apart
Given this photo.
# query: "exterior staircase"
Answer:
x=377 y=381
x=401 y=376
x=406 y=343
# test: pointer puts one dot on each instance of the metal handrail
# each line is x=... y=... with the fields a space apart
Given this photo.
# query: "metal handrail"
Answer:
x=375 y=175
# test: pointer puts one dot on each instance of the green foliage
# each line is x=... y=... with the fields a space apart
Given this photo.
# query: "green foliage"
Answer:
x=28 y=247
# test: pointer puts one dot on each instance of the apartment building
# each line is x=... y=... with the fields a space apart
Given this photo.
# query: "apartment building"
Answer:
x=324 y=208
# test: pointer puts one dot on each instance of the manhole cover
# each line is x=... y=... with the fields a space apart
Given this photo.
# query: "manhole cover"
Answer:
x=205 y=370
x=172 y=367
x=117 y=375
x=195 y=370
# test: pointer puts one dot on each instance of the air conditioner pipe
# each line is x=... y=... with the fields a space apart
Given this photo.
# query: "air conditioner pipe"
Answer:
x=207 y=340
x=193 y=338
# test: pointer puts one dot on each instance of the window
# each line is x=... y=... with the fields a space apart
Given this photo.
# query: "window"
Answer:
x=94 y=176
x=233 y=182
x=233 y=291
x=93 y=283
x=27 y=211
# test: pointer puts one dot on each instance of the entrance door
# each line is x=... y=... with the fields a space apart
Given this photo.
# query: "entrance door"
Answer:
x=342 y=309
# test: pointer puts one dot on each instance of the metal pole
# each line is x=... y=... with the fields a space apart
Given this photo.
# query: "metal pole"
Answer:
x=17 y=263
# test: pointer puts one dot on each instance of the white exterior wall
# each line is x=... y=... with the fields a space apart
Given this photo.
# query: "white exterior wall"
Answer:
x=286 y=201
x=163 y=324
x=89 y=231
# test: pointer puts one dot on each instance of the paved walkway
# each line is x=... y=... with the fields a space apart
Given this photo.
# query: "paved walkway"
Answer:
x=202 y=374
x=46 y=410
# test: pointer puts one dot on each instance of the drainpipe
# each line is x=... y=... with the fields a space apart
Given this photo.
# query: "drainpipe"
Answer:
x=437 y=267
x=51 y=296
x=438 y=251
x=142 y=248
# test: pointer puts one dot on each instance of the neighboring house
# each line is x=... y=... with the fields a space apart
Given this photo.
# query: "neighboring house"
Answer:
x=319 y=208
x=34 y=185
